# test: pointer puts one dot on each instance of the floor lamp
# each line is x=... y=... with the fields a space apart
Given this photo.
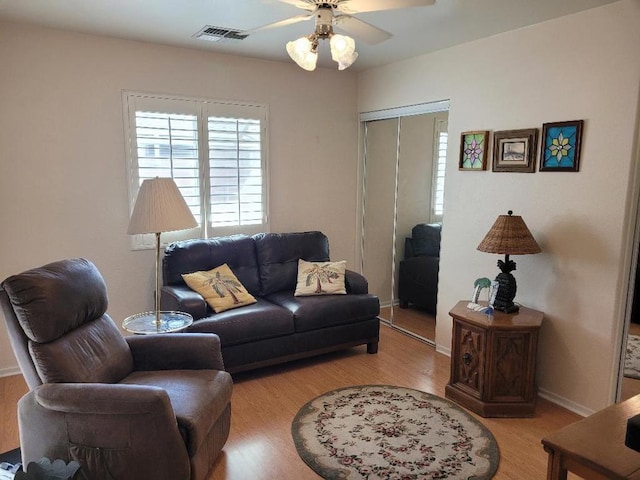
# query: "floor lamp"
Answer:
x=160 y=207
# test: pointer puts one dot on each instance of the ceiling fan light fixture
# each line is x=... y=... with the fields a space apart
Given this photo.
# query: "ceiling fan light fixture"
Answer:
x=303 y=51
x=343 y=50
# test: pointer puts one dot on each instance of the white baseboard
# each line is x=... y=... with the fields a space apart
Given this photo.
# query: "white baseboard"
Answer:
x=565 y=403
x=443 y=350
x=7 y=372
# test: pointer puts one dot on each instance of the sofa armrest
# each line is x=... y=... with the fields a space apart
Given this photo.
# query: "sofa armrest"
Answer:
x=408 y=248
x=176 y=351
x=355 y=283
x=181 y=298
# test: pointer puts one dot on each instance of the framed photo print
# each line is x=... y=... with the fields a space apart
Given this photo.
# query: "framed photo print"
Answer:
x=515 y=150
x=560 y=151
x=473 y=150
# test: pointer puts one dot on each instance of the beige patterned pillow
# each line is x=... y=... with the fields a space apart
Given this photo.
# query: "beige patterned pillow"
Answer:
x=220 y=288
x=320 y=278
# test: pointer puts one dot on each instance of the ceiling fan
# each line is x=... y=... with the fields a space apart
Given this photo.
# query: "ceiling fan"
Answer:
x=338 y=13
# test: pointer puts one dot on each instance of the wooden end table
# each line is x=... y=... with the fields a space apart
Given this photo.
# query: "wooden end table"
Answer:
x=493 y=361
x=594 y=448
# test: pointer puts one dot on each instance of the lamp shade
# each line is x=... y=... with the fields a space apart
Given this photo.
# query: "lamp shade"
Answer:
x=343 y=50
x=302 y=52
x=509 y=235
x=160 y=207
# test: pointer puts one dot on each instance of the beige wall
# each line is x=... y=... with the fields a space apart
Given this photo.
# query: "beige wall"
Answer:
x=585 y=66
x=63 y=186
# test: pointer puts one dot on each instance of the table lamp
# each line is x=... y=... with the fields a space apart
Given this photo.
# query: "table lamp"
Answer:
x=509 y=235
x=160 y=207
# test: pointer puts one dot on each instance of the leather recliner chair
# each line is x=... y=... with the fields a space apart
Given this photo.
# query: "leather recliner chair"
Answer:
x=122 y=407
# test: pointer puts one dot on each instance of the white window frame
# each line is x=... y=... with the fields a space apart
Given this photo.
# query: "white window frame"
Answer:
x=203 y=108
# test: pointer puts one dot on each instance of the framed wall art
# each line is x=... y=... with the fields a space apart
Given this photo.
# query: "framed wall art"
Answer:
x=560 y=150
x=515 y=150
x=473 y=150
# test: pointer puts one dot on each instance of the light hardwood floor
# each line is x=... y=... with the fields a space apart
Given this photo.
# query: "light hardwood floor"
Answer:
x=264 y=403
x=413 y=319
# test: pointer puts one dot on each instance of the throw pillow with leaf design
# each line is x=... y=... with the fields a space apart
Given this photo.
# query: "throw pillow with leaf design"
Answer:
x=320 y=278
x=220 y=288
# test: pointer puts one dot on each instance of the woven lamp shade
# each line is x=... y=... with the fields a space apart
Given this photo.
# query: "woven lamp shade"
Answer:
x=160 y=207
x=509 y=235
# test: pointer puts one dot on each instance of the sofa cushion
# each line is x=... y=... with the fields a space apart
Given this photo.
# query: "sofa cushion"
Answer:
x=243 y=325
x=278 y=254
x=320 y=278
x=311 y=313
x=220 y=288
x=237 y=251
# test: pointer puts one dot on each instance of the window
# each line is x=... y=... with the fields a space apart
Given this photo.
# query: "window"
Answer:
x=440 y=163
x=215 y=152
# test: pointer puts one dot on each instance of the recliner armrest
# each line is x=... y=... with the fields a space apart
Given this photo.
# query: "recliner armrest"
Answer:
x=355 y=283
x=103 y=399
x=176 y=351
x=181 y=298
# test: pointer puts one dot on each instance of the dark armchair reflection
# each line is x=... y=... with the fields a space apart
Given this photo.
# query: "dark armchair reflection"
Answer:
x=418 y=272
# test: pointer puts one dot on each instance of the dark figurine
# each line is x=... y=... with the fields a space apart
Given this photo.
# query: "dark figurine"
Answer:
x=506 y=287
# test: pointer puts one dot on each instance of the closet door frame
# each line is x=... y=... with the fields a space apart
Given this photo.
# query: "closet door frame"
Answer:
x=386 y=114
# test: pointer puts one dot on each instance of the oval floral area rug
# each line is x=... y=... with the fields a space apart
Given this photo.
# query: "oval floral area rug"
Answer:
x=386 y=432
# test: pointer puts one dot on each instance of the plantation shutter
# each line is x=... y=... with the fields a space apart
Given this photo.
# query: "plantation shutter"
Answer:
x=236 y=167
x=167 y=146
x=440 y=156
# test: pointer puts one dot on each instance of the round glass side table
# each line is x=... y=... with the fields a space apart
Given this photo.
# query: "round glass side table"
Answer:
x=145 y=323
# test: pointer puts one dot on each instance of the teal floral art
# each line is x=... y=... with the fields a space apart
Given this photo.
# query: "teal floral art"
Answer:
x=473 y=151
x=561 y=146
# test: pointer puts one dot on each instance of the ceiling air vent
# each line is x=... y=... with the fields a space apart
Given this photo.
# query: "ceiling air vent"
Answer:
x=217 y=34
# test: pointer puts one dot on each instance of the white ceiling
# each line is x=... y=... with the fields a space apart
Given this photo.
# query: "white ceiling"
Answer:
x=415 y=30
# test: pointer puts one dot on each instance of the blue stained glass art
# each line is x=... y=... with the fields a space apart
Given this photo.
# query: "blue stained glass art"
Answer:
x=561 y=146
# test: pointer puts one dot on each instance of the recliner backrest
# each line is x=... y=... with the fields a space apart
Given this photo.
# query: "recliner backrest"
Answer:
x=58 y=326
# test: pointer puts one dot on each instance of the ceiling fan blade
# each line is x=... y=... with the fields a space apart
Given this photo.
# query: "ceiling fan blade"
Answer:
x=281 y=23
x=361 y=6
x=361 y=30
x=303 y=4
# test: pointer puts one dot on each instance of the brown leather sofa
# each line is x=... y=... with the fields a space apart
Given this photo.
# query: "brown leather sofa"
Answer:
x=127 y=408
x=280 y=326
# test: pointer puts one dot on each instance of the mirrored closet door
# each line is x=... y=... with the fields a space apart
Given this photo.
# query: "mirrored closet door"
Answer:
x=403 y=184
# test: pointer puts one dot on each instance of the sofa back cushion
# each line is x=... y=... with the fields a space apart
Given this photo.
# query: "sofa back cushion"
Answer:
x=188 y=256
x=426 y=239
x=278 y=255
